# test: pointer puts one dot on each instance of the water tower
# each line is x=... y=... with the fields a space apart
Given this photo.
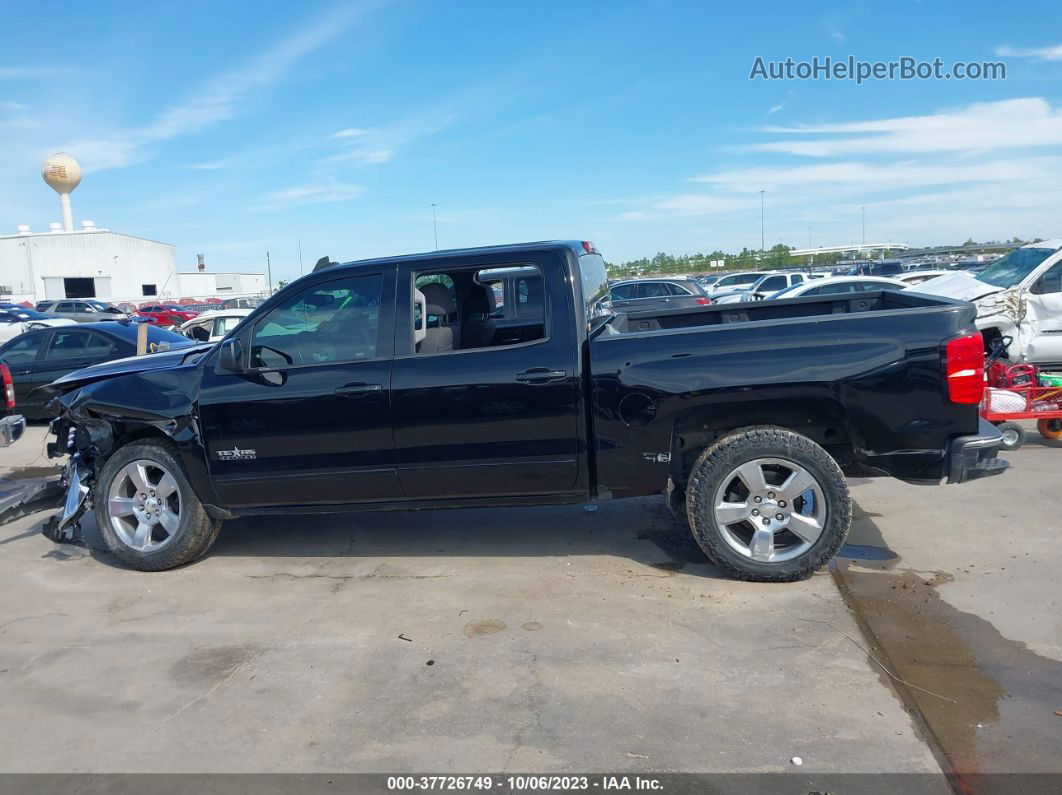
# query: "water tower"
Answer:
x=63 y=174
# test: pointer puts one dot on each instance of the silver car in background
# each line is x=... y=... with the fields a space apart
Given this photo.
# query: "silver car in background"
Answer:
x=635 y=295
x=82 y=310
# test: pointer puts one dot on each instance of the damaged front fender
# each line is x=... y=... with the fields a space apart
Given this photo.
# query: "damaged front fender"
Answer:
x=99 y=414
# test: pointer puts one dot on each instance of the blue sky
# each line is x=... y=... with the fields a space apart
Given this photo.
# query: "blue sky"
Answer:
x=233 y=128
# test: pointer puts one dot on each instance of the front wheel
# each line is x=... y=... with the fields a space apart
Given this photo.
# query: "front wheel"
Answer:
x=146 y=510
x=768 y=505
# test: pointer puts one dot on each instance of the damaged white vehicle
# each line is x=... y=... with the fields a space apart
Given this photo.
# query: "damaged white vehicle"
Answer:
x=1017 y=296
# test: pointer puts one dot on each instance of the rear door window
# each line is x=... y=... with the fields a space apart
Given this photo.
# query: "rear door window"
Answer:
x=653 y=290
x=98 y=347
x=623 y=292
x=833 y=289
x=67 y=345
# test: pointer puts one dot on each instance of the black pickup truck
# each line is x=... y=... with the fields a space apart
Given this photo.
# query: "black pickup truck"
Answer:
x=386 y=384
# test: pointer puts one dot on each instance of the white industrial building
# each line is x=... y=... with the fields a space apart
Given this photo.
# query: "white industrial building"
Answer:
x=99 y=263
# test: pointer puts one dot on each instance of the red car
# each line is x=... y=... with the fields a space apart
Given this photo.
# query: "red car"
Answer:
x=166 y=314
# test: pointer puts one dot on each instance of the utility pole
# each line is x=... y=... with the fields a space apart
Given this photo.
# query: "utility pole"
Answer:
x=435 y=226
x=300 y=257
x=864 y=209
x=761 y=225
x=269 y=270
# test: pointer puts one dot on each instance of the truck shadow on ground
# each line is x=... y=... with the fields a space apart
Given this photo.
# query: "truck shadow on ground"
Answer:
x=642 y=530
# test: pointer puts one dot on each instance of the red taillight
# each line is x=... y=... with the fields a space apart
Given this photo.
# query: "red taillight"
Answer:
x=964 y=367
x=704 y=301
x=9 y=386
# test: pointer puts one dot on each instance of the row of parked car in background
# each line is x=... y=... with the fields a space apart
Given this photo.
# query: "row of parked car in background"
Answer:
x=39 y=344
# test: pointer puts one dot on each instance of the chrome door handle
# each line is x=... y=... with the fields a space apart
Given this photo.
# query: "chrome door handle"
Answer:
x=358 y=390
x=540 y=375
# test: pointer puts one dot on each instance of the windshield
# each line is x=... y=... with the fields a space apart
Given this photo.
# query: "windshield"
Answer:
x=160 y=336
x=1012 y=268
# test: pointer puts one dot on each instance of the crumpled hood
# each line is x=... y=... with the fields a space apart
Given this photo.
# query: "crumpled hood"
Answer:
x=959 y=285
x=131 y=364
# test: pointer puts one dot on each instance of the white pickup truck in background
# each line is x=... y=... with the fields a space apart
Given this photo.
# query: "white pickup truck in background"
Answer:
x=1017 y=296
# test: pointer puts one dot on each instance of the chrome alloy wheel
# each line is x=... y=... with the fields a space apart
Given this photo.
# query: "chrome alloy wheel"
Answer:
x=144 y=505
x=770 y=510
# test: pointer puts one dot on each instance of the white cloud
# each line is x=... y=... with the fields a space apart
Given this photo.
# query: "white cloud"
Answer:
x=375 y=145
x=986 y=169
x=876 y=177
x=1053 y=53
x=350 y=132
x=216 y=101
x=313 y=193
x=689 y=204
x=980 y=127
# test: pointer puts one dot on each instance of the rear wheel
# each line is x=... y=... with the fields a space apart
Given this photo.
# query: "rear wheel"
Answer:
x=768 y=504
x=1050 y=429
x=146 y=510
x=1013 y=435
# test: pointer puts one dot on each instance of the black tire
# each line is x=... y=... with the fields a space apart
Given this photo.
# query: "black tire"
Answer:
x=196 y=531
x=1013 y=435
x=767 y=442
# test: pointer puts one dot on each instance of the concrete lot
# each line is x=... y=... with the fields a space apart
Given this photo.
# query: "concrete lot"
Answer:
x=541 y=640
x=970 y=605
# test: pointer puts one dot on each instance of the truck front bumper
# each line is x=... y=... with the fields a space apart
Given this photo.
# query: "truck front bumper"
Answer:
x=974 y=456
x=11 y=429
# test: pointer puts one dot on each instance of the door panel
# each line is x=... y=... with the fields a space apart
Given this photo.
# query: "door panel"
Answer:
x=497 y=421
x=310 y=421
x=1043 y=318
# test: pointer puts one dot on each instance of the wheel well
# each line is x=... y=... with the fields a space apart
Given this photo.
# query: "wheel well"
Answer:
x=990 y=335
x=822 y=421
x=137 y=432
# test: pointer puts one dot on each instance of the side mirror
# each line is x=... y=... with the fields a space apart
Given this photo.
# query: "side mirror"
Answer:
x=231 y=356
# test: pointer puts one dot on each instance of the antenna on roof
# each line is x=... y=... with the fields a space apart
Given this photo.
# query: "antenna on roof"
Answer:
x=323 y=263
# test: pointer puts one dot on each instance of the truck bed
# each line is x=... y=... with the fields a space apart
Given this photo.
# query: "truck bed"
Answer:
x=860 y=374
x=785 y=309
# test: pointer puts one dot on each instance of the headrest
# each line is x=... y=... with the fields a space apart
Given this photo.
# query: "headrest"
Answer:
x=481 y=299
x=440 y=300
